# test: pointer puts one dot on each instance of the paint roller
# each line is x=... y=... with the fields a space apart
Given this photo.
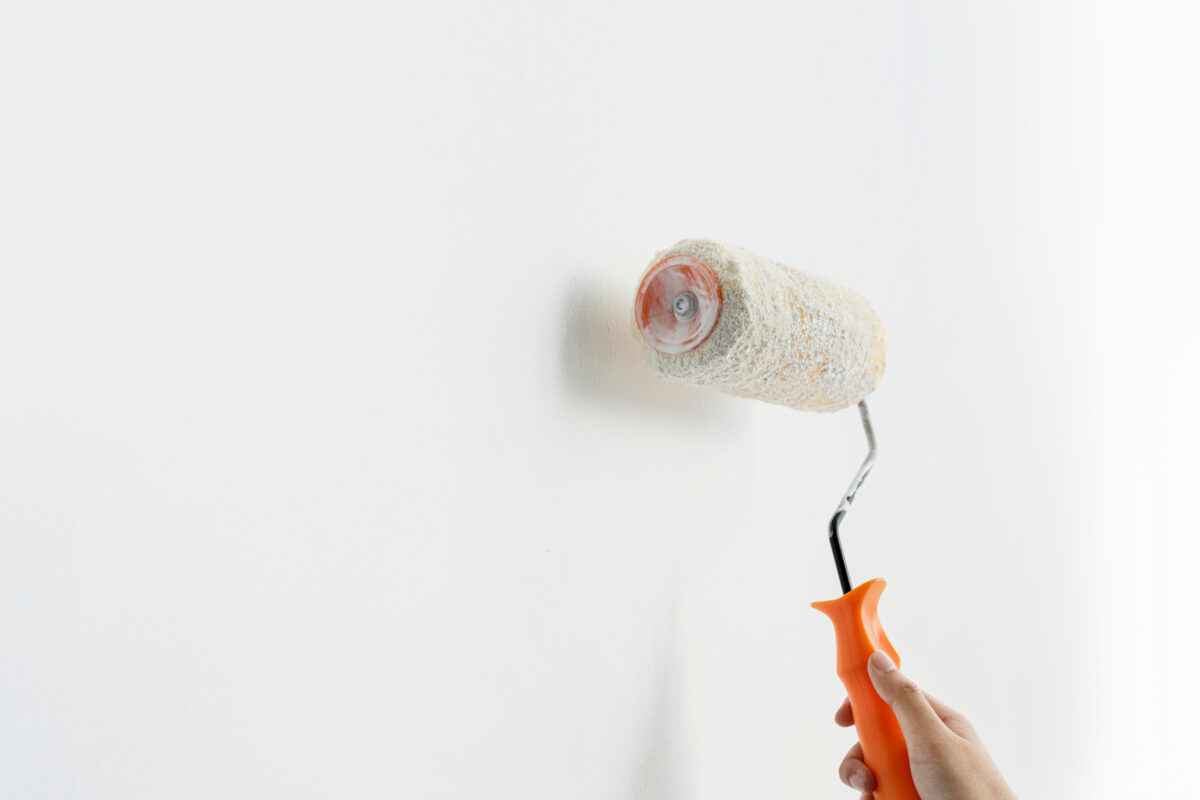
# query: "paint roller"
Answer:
x=710 y=314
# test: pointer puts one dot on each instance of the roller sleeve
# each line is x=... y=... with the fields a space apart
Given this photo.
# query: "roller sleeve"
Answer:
x=715 y=315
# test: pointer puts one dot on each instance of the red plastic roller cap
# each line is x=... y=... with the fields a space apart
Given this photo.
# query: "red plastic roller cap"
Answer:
x=678 y=304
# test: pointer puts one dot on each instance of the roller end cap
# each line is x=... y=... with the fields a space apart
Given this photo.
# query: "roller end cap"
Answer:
x=678 y=304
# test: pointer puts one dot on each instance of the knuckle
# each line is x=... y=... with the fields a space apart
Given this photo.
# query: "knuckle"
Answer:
x=908 y=691
x=963 y=727
x=928 y=751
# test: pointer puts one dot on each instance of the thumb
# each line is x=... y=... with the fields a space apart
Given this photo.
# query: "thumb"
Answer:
x=918 y=721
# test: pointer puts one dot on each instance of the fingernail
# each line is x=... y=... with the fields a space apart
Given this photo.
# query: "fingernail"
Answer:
x=856 y=780
x=881 y=661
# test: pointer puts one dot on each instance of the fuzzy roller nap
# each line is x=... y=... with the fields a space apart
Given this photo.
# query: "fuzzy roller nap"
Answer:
x=719 y=316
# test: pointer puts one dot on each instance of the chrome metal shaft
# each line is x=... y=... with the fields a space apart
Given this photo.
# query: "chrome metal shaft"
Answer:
x=838 y=558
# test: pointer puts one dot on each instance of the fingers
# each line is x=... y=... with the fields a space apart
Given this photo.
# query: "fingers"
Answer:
x=844 y=716
x=916 y=716
x=941 y=709
x=954 y=720
x=856 y=774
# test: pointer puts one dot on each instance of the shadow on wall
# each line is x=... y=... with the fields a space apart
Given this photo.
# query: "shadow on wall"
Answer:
x=662 y=773
x=602 y=372
x=601 y=365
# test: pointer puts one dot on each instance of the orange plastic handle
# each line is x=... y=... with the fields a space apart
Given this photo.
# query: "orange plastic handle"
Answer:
x=856 y=623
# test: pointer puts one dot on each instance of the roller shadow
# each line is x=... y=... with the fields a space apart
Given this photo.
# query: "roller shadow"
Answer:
x=601 y=365
x=602 y=370
x=662 y=773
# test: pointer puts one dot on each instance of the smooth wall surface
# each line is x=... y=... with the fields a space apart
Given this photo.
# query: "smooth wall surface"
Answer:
x=327 y=467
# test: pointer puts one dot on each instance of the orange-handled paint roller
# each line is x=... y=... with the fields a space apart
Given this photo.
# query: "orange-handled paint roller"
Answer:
x=719 y=316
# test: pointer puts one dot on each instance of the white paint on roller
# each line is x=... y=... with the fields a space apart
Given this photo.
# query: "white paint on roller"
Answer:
x=783 y=336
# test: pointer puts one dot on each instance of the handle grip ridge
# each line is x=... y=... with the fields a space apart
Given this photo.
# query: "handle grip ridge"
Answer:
x=856 y=624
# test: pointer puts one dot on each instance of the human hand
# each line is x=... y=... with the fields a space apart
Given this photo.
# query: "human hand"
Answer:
x=947 y=758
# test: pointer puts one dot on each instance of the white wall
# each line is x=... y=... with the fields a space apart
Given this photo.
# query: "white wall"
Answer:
x=327 y=468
